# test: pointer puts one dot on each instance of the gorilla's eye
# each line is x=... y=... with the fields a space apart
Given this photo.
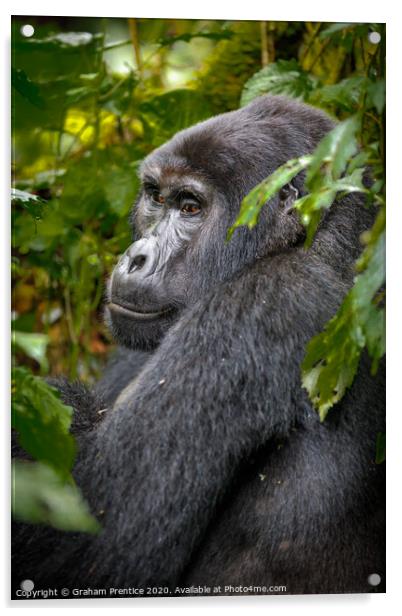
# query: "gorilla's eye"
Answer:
x=153 y=193
x=190 y=208
x=157 y=197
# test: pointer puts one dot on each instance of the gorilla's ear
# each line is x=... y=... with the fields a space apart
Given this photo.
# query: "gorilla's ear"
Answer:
x=287 y=196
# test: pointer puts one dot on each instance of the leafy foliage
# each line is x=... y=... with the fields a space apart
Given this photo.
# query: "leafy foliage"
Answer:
x=256 y=199
x=324 y=179
x=336 y=167
x=42 y=421
x=40 y=496
x=325 y=175
x=32 y=344
x=80 y=131
x=45 y=491
x=26 y=88
x=333 y=356
x=281 y=77
x=173 y=111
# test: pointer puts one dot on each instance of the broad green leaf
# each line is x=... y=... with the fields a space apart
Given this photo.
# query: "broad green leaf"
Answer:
x=350 y=183
x=376 y=95
x=24 y=197
x=310 y=209
x=332 y=357
x=172 y=111
x=338 y=27
x=281 y=77
x=311 y=206
x=33 y=204
x=331 y=361
x=333 y=153
x=33 y=344
x=360 y=160
x=255 y=200
x=27 y=88
x=40 y=496
x=121 y=187
x=42 y=421
x=346 y=94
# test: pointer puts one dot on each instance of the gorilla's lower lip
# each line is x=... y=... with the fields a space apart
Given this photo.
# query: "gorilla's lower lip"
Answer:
x=134 y=314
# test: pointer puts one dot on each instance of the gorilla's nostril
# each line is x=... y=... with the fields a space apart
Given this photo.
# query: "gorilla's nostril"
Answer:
x=137 y=262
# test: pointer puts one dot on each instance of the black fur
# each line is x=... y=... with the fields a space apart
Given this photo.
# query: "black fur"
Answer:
x=210 y=466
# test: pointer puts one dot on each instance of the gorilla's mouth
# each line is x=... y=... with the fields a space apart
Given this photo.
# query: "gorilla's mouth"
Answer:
x=132 y=312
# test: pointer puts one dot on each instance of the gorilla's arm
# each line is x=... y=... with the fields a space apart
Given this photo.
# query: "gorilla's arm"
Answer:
x=225 y=379
x=123 y=367
x=90 y=404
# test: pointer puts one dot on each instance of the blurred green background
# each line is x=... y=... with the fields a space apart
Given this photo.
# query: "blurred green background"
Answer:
x=92 y=97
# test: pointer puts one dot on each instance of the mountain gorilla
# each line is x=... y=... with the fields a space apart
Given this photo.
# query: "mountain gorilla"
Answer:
x=199 y=451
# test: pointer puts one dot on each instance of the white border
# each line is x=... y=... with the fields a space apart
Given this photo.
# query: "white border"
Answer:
x=291 y=10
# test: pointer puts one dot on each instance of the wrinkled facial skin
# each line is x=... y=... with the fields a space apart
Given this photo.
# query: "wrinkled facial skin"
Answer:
x=150 y=283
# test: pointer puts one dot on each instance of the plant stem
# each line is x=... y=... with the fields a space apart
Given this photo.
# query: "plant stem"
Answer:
x=264 y=44
x=132 y=24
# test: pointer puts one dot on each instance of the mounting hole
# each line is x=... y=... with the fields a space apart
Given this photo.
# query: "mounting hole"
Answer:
x=27 y=30
x=27 y=585
x=374 y=37
x=374 y=579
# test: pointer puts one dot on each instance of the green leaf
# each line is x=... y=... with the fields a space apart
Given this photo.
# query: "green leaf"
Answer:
x=332 y=357
x=32 y=203
x=344 y=95
x=83 y=195
x=334 y=152
x=310 y=206
x=350 y=183
x=188 y=36
x=325 y=167
x=323 y=178
x=41 y=497
x=42 y=421
x=360 y=160
x=121 y=187
x=376 y=95
x=34 y=345
x=172 y=111
x=281 y=77
x=338 y=27
x=24 y=197
x=331 y=361
x=67 y=41
x=310 y=209
x=255 y=200
x=27 y=88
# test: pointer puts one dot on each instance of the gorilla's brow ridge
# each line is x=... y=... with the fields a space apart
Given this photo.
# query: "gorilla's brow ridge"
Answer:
x=182 y=182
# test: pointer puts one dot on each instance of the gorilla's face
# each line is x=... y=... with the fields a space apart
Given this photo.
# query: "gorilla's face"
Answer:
x=191 y=192
x=154 y=278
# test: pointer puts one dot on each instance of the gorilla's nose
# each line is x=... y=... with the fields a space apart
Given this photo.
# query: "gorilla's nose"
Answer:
x=141 y=257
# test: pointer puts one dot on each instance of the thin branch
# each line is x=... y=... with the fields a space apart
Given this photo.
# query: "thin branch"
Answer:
x=132 y=24
x=264 y=44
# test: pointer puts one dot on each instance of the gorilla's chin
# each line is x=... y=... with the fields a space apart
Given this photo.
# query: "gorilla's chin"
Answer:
x=136 y=329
